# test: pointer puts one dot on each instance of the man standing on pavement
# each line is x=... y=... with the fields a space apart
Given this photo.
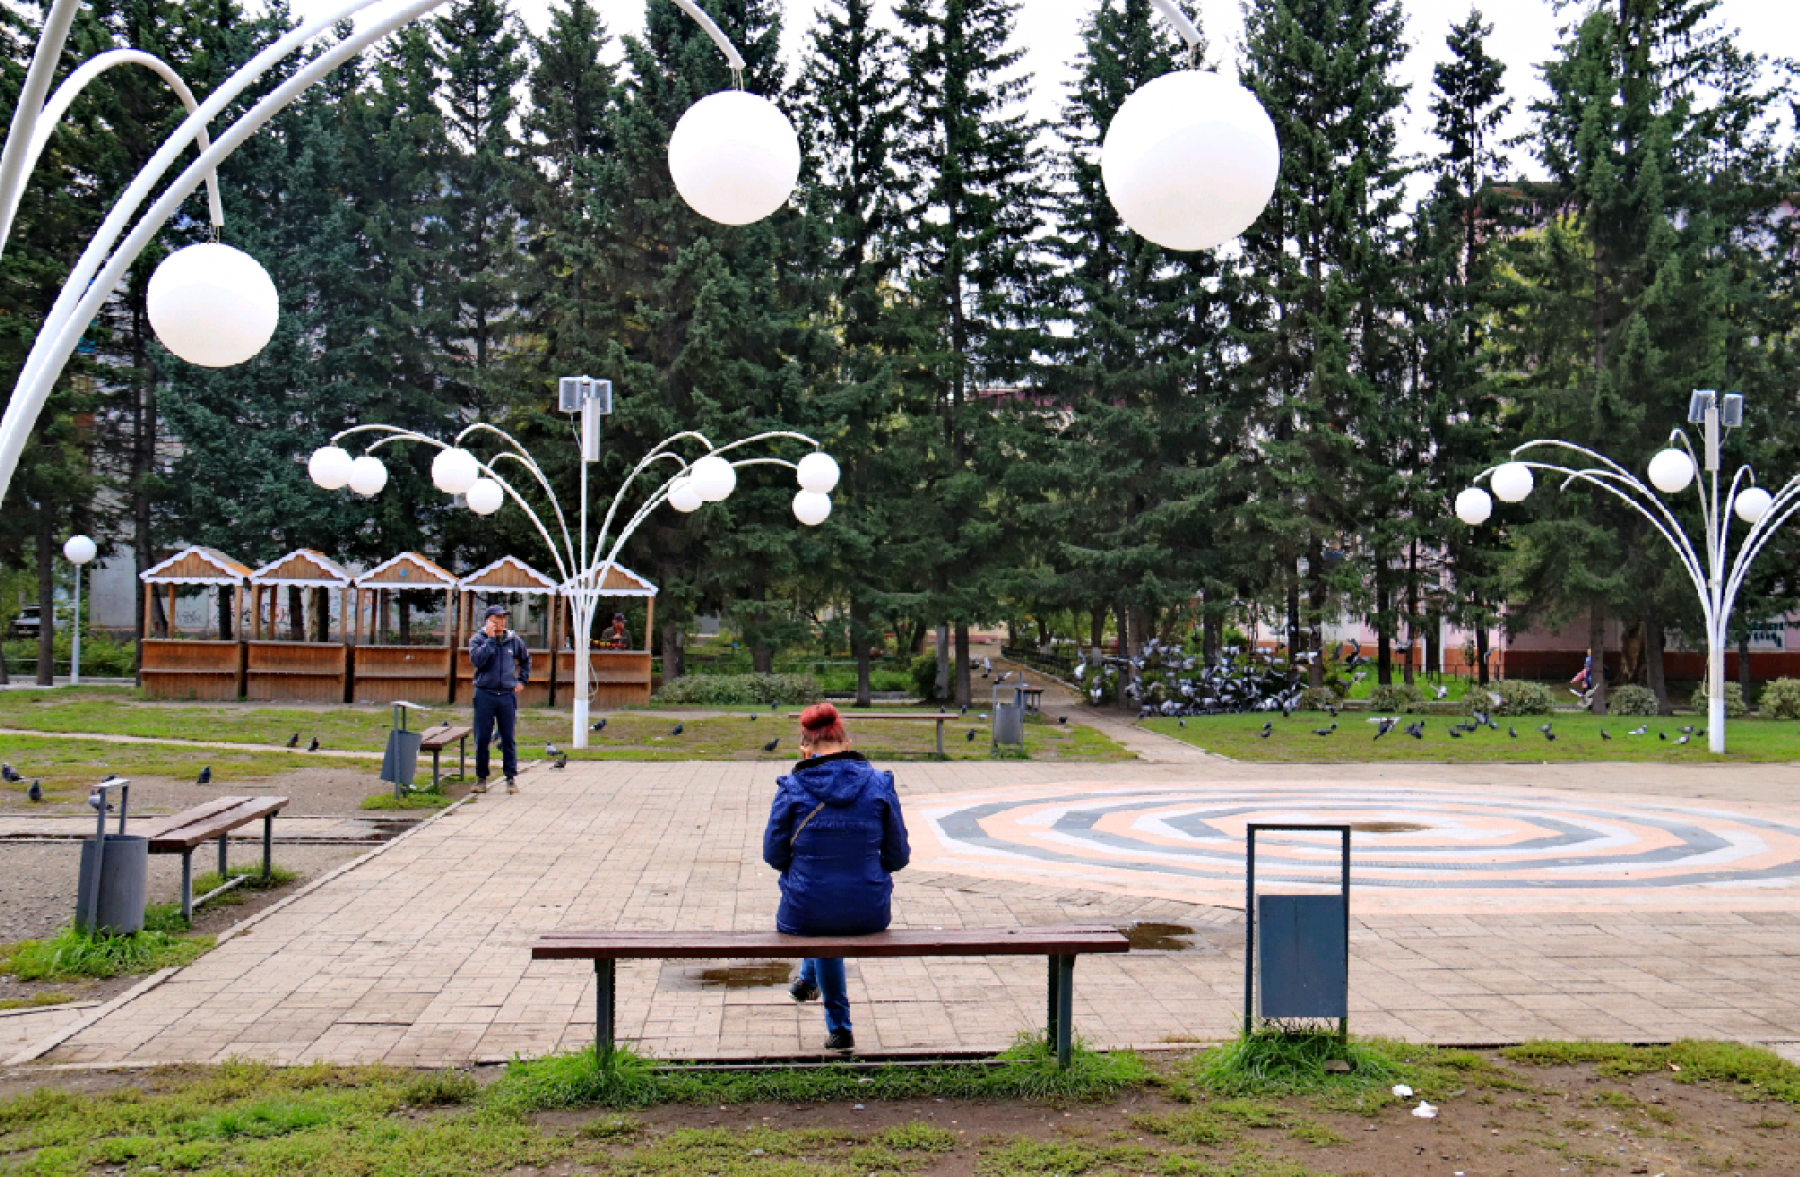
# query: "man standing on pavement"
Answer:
x=502 y=668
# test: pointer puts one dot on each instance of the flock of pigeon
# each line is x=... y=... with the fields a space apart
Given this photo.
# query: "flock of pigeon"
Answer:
x=36 y=792
x=1479 y=721
x=1166 y=681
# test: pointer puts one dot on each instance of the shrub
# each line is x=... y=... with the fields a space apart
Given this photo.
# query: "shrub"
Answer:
x=1517 y=697
x=1397 y=699
x=1780 y=699
x=738 y=690
x=924 y=677
x=1318 y=699
x=1631 y=699
x=1734 y=700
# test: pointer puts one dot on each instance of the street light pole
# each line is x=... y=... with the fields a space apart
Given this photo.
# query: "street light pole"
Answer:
x=1719 y=577
x=78 y=551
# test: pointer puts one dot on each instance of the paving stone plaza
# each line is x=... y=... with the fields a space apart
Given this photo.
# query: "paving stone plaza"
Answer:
x=1491 y=904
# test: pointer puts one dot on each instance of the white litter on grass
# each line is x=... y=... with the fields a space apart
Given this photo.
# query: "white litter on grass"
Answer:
x=1425 y=1111
x=1402 y=1091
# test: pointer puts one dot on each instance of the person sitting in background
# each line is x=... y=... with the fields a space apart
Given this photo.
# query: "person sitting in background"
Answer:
x=617 y=636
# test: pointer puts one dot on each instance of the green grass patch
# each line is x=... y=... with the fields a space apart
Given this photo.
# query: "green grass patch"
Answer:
x=1577 y=739
x=1027 y=1071
x=1751 y=1071
x=422 y=799
x=72 y=954
x=1269 y=1064
x=68 y=768
x=36 y=1001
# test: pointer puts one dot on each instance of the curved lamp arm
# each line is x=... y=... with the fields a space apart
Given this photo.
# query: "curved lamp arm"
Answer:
x=1188 y=30
x=519 y=454
x=29 y=106
x=732 y=56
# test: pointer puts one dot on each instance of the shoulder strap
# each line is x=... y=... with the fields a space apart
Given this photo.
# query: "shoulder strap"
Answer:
x=803 y=822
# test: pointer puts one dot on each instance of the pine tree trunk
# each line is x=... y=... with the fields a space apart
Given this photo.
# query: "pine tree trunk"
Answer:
x=943 y=661
x=964 y=691
x=1122 y=618
x=46 y=585
x=762 y=658
x=1293 y=615
x=1481 y=653
x=1597 y=652
x=1654 y=639
x=671 y=652
x=1412 y=609
x=1384 y=646
x=1096 y=627
x=1315 y=606
x=859 y=635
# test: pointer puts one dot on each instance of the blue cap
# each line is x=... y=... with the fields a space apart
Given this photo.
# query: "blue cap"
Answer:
x=495 y=611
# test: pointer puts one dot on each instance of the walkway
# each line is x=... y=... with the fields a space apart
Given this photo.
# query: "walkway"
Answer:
x=420 y=954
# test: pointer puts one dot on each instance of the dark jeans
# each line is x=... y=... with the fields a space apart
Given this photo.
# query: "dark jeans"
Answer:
x=828 y=974
x=493 y=707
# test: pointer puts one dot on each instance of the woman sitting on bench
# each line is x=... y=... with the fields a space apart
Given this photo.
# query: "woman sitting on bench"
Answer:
x=836 y=835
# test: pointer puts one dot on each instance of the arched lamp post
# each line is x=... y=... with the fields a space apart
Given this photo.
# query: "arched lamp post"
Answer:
x=1189 y=161
x=583 y=566
x=77 y=551
x=1715 y=574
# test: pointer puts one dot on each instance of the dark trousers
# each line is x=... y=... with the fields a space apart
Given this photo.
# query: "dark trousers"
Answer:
x=493 y=707
x=828 y=974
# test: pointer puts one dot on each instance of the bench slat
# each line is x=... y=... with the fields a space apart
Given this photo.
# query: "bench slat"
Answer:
x=630 y=945
x=187 y=830
x=438 y=738
x=187 y=817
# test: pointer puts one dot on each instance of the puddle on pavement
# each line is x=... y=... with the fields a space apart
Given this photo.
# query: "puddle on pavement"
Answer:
x=1158 y=937
x=1387 y=827
x=387 y=829
x=749 y=976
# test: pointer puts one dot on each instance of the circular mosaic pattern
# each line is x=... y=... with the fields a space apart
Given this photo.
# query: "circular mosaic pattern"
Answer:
x=1404 y=838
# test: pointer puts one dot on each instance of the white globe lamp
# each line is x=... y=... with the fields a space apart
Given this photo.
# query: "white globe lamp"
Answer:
x=812 y=508
x=367 y=476
x=212 y=305
x=329 y=468
x=484 y=496
x=1512 y=481
x=79 y=549
x=817 y=472
x=1474 y=506
x=1190 y=160
x=454 y=471
x=734 y=157
x=683 y=497
x=1671 y=471
x=714 y=478
x=1752 y=504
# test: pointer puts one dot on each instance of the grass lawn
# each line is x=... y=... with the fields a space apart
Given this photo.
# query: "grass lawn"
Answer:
x=1577 y=738
x=641 y=734
x=68 y=768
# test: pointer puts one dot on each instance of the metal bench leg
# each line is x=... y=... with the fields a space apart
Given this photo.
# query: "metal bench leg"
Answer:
x=1054 y=990
x=187 y=884
x=268 y=845
x=604 y=1009
x=222 y=876
x=435 y=754
x=941 y=753
x=1065 y=1010
x=462 y=759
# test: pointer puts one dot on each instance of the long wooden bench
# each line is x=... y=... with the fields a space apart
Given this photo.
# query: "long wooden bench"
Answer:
x=215 y=819
x=435 y=739
x=1060 y=944
x=941 y=718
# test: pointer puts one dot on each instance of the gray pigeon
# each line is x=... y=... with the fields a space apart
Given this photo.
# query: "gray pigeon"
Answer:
x=314 y=746
x=598 y=725
x=205 y=777
x=561 y=761
x=294 y=740
x=34 y=793
x=9 y=774
x=771 y=745
x=678 y=729
x=971 y=735
x=551 y=749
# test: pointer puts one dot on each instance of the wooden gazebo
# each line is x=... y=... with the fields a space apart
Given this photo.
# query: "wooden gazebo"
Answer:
x=505 y=577
x=617 y=678
x=309 y=665
x=172 y=667
x=389 y=673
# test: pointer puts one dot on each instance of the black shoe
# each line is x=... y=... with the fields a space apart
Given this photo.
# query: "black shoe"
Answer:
x=840 y=1040
x=803 y=990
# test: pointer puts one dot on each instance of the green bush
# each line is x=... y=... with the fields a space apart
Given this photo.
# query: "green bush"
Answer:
x=1517 y=697
x=1780 y=699
x=1631 y=699
x=1397 y=699
x=1318 y=699
x=924 y=677
x=738 y=690
x=1734 y=700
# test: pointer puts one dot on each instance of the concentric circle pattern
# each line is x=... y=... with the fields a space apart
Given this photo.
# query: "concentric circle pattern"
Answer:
x=1414 y=846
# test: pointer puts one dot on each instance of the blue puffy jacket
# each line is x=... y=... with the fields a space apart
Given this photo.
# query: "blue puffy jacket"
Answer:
x=836 y=835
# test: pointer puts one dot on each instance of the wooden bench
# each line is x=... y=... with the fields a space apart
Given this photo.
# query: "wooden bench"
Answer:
x=1060 y=944
x=215 y=819
x=941 y=718
x=435 y=739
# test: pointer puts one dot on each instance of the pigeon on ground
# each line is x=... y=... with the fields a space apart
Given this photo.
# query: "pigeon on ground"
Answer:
x=561 y=761
x=971 y=735
x=1512 y=731
x=1683 y=739
x=1264 y=733
x=1686 y=731
x=1324 y=731
x=1456 y=733
x=965 y=709
x=1662 y=735
x=1443 y=693
x=678 y=729
x=598 y=726
x=1181 y=722
x=1417 y=731
x=1546 y=728
x=1605 y=735
x=1550 y=737
x=770 y=746
x=9 y=774
x=35 y=792
x=1639 y=730
x=1384 y=727
x=205 y=777
x=753 y=717
x=1332 y=711
x=314 y=746
x=550 y=749
x=294 y=740
x=1062 y=721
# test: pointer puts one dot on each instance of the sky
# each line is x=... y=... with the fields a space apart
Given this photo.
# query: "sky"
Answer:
x=1525 y=34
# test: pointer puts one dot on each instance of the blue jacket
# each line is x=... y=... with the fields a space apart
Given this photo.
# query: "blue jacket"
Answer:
x=500 y=663
x=836 y=835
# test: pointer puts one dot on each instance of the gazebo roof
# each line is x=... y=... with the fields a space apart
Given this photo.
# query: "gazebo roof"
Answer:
x=616 y=580
x=196 y=565
x=304 y=568
x=407 y=570
x=508 y=574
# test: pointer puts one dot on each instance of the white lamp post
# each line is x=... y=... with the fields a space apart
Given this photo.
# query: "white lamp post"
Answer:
x=77 y=551
x=581 y=565
x=1715 y=574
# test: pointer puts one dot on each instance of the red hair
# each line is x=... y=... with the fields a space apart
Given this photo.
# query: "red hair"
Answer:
x=823 y=725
